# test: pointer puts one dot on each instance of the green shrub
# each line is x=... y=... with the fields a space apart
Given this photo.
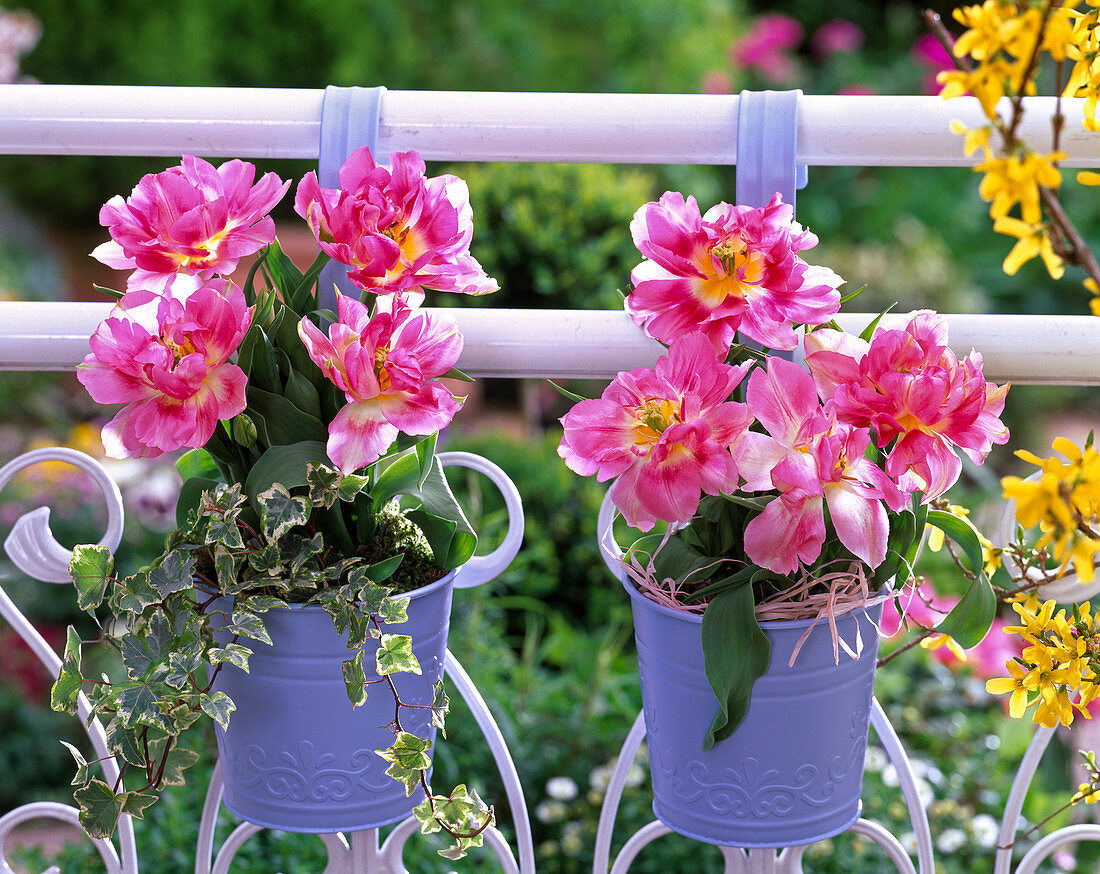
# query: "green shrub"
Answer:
x=555 y=235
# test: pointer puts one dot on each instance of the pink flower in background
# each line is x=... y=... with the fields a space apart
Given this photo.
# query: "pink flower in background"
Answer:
x=765 y=47
x=171 y=371
x=388 y=367
x=394 y=227
x=930 y=56
x=192 y=219
x=910 y=388
x=665 y=433
x=926 y=607
x=813 y=462
x=19 y=33
x=837 y=35
x=734 y=269
x=716 y=82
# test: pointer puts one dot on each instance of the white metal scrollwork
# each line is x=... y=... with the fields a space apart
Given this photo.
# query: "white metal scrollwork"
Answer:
x=34 y=550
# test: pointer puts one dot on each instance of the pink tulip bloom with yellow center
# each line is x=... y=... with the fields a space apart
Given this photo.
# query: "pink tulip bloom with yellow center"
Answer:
x=665 y=433
x=917 y=396
x=394 y=227
x=192 y=219
x=388 y=366
x=171 y=368
x=813 y=462
x=735 y=269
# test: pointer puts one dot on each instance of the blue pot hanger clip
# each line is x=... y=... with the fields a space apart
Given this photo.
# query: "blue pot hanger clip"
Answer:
x=767 y=140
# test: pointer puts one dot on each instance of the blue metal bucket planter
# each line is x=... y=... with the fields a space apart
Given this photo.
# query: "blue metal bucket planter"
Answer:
x=792 y=772
x=297 y=755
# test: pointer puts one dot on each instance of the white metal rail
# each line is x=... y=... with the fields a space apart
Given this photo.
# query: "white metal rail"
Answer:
x=607 y=128
x=1042 y=350
x=836 y=130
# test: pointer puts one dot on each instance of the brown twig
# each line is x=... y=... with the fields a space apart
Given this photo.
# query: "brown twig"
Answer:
x=936 y=27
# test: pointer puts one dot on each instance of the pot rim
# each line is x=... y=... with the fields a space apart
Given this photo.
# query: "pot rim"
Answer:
x=697 y=618
x=422 y=592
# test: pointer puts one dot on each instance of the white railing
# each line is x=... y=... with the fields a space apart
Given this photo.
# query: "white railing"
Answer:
x=652 y=129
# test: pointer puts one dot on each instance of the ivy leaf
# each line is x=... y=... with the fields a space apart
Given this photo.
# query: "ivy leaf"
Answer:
x=225 y=567
x=324 y=484
x=279 y=512
x=100 y=808
x=83 y=772
x=90 y=568
x=409 y=759
x=359 y=629
x=122 y=741
x=72 y=648
x=135 y=656
x=231 y=653
x=224 y=530
x=266 y=560
x=138 y=703
x=178 y=761
x=134 y=594
x=394 y=610
x=288 y=465
x=395 y=655
x=249 y=625
x=134 y=803
x=441 y=706
x=355 y=678
x=218 y=707
x=173 y=574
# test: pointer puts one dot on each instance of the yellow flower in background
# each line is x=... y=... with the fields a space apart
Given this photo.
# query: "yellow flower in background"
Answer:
x=1054 y=673
x=1014 y=684
x=1013 y=180
x=976 y=138
x=1086 y=793
x=1053 y=709
x=1064 y=502
x=1094 y=289
x=1084 y=77
x=1033 y=240
x=935 y=641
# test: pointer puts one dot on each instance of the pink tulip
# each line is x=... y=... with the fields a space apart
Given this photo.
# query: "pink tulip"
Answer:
x=918 y=398
x=734 y=269
x=171 y=370
x=813 y=462
x=395 y=228
x=387 y=365
x=193 y=219
x=666 y=433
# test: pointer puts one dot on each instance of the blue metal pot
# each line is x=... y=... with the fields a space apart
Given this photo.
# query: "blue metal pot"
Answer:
x=792 y=771
x=297 y=756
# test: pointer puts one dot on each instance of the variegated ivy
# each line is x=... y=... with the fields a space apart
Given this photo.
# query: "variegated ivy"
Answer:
x=234 y=557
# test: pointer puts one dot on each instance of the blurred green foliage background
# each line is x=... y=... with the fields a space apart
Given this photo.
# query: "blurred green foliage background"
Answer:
x=548 y=642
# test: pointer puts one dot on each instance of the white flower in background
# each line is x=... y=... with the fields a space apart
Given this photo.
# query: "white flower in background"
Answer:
x=951 y=840
x=572 y=839
x=561 y=788
x=876 y=760
x=986 y=830
x=19 y=33
x=550 y=811
x=600 y=777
